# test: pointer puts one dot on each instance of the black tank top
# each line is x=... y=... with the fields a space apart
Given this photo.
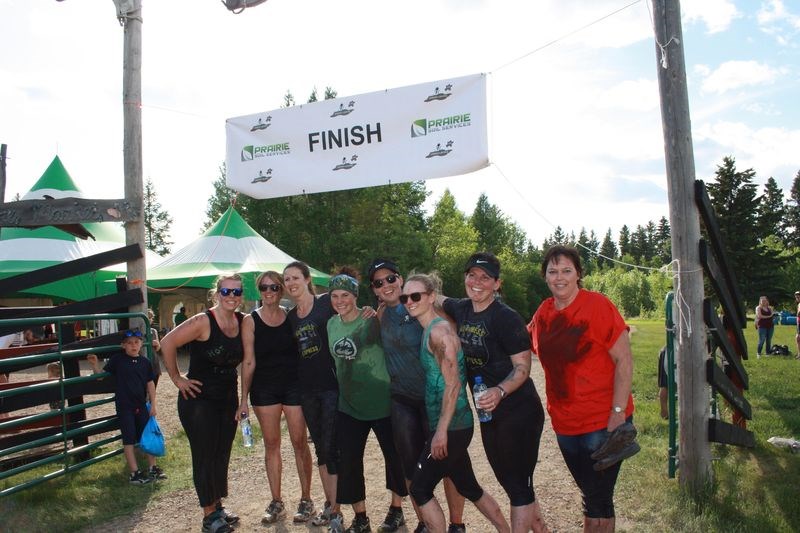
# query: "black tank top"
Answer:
x=214 y=361
x=276 y=355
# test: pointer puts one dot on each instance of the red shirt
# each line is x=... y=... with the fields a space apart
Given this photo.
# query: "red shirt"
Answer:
x=572 y=345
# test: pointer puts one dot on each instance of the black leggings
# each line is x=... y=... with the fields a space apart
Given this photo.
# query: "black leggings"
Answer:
x=457 y=466
x=511 y=442
x=352 y=438
x=411 y=420
x=210 y=427
x=319 y=410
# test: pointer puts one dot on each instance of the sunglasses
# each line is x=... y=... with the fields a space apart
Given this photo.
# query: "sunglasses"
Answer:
x=274 y=288
x=414 y=296
x=378 y=283
x=130 y=333
x=225 y=291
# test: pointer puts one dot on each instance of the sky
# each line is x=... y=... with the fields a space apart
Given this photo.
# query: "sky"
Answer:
x=575 y=127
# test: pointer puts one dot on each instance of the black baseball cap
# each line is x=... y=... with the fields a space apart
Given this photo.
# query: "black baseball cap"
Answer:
x=380 y=263
x=485 y=261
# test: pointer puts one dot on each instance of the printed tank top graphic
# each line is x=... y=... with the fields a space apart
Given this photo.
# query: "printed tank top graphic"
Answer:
x=345 y=348
x=308 y=339
x=473 y=335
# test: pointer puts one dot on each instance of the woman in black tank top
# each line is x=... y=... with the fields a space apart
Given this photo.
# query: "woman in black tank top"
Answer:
x=208 y=397
x=269 y=376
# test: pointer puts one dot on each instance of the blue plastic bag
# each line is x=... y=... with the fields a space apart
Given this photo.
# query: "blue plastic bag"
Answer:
x=152 y=440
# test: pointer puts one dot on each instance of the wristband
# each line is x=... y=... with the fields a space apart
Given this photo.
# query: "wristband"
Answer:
x=502 y=392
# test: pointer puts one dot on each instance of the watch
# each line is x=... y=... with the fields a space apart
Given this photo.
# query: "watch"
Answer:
x=617 y=409
x=502 y=392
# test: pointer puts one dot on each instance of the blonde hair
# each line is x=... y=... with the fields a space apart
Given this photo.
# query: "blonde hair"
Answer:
x=212 y=293
x=431 y=281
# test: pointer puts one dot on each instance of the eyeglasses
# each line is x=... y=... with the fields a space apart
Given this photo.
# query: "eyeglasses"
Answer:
x=274 y=288
x=225 y=291
x=131 y=333
x=415 y=297
x=378 y=283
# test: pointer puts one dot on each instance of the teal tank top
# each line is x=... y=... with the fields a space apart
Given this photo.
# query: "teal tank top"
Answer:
x=434 y=387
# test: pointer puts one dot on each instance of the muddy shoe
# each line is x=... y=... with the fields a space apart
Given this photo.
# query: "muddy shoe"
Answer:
x=274 y=511
x=215 y=523
x=305 y=510
x=620 y=438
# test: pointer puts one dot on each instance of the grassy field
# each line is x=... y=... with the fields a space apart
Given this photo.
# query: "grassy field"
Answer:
x=754 y=490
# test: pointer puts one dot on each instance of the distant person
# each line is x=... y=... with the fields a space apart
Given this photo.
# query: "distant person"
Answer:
x=662 y=383
x=208 y=395
x=764 y=324
x=797 y=324
x=180 y=317
x=134 y=388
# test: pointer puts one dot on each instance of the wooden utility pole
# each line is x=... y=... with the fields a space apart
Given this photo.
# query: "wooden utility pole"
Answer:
x=2 y=173
x=132 y=139
x=693 y=393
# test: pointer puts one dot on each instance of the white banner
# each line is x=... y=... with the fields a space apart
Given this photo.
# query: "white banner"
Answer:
x=410 y=133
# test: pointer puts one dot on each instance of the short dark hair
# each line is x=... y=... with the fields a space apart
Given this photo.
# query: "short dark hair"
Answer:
x=568 y=252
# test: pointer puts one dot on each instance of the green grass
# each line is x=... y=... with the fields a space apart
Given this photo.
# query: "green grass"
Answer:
x=753 y=490
x=98 y=493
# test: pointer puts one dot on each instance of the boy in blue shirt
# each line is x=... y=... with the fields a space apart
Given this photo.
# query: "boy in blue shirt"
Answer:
x=135 y=385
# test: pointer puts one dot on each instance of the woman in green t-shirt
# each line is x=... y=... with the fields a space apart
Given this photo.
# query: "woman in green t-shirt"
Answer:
x=355 y=344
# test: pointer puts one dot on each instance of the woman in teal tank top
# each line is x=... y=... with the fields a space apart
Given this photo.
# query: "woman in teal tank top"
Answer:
x=452 y=425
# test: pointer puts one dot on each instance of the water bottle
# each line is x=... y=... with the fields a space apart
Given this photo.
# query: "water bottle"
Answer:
x=247 y=431
x=479 y=390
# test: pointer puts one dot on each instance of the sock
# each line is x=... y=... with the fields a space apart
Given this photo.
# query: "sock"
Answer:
x=395 y=508
x=361 y=516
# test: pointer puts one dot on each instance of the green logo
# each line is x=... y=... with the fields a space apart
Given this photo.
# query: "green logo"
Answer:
x=419 y=128
x=247 y=153
x=423 y=126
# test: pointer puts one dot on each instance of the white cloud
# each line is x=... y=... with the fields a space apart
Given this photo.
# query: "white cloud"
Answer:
x=717 y=15
x=630 y=95
x=735 y=74
x=775 y=20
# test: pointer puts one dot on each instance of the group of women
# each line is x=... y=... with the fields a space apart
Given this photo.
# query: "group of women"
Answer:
x=342 y=370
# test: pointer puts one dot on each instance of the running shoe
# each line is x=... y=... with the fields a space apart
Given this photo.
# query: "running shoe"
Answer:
x=304 y=511
x=229 y=517
x=336 y=523
x=274 y=511
x=457 y=528
x=215 y=523
x=394 y=519
x=421 y=528
x=156 y=473
x=139 y=478
x=323 y=518
x=359 y=525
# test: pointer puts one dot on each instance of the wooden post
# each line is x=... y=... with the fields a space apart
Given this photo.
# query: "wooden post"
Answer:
x=132 y=118
x=693 y=392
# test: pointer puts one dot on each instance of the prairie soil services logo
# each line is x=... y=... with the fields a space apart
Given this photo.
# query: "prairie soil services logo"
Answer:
x=251 y=152
x=440 y=95
x=342 y=111
x=423 y=126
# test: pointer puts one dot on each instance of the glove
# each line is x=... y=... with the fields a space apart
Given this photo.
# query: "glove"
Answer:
x=620 y=445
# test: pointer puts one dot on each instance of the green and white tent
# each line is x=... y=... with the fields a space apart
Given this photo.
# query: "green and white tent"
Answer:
x=230 y=245
x=23 y=250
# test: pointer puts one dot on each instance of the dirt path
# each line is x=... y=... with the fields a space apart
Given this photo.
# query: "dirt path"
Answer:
x=249 y=492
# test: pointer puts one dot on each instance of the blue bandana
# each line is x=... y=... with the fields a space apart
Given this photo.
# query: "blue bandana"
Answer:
x=343 y=282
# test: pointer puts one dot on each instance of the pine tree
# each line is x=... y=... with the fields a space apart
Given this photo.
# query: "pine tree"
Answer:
x=793 y=214
x=734 y=198
x=663 y=246
x=156 y=222
x=608 y=250
x=771 y=212
x=624 y=241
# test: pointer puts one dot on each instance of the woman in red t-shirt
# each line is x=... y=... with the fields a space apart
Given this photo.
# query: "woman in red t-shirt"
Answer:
x=582 y=342
x=764 y=324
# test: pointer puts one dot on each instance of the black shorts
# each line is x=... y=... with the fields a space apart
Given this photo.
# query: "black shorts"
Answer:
x=457 y=466
x=410 y=417
x=511 y=442
x=662 y=372
x=284 y=395
x=131 y=424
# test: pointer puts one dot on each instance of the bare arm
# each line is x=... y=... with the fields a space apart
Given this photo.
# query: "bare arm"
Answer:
x=521 y=370
x=195 y=328
x=623 y=378
x=444 y=345
x=151 y=395
x=248 y=363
